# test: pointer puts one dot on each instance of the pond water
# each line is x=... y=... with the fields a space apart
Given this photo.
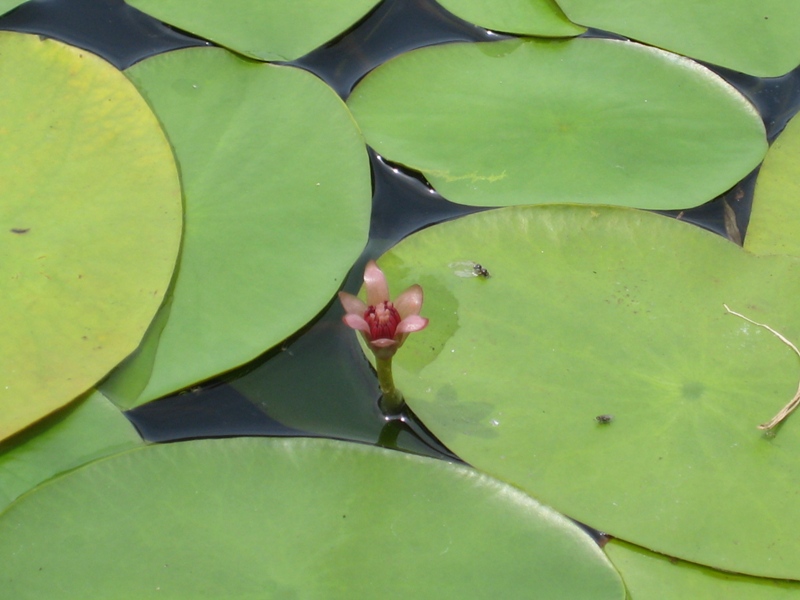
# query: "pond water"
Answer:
x=318 y=383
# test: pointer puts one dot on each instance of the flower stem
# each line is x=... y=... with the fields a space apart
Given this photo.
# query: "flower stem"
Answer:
x=391 y=402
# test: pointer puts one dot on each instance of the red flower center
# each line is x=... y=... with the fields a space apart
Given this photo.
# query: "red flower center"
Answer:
x=382 y=320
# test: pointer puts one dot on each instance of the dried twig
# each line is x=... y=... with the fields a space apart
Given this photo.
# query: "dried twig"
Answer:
x=795 y=401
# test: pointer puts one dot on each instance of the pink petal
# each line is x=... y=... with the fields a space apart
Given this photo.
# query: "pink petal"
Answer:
x=409 y=302
x=375 y=282
x=352 y=305
x=356 y=322
x=411 y=324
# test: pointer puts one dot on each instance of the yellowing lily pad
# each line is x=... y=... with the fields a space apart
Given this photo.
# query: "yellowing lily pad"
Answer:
x=537 y=121
x=529 y=17
x=597 y=369
x=759 y=38
x=274 y=30
x=775 y=219
x=277 y=191
x=268 y=518
x=90 y=226
x=649 y=576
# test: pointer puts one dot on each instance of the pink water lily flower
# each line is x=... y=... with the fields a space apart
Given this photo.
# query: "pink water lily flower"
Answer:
x=384 y=324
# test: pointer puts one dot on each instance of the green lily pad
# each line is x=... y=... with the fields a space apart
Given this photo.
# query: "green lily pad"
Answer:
x=7 y=5
x=277 y=191
x=528 y=17
x=775 y=218
x=759 y=38
x=90 y=429
x=537 y=121
x=275 y=30
x=648 y=575
x=257 y=518
x=592 y=311
x=91 y=223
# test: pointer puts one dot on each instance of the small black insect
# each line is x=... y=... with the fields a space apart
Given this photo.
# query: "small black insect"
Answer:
x=20 y=230
x=467 y=268
x=480 y=271
x=604 y=419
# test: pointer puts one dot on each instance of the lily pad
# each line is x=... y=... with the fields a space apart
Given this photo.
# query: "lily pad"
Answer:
x=597 y=369
x=648 y=576
x=90 y=429
x=537 y=121
x=775 y=219
x=277 y=191
x=8 y=5
x=91 y=223
x=275 y=30
x=759 y=38
x=255 y=518
x=528 y=17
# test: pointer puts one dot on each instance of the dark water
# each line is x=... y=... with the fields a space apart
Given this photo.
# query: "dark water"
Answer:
x=318 y=382
x=109 y=28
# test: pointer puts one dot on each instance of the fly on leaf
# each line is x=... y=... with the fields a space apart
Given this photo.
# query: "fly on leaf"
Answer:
x=467 y=268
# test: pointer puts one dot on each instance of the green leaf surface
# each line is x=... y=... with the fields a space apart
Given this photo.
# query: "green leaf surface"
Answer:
x=274 y=30
x=7 y=5
x=528 y=17
x=759 y=38
x=775 y=218
x=650 y=576
x=268 y=518
x=585 y=120
x=90 y=226
x=593 y=311
x=277 y=191
x=89 y=429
